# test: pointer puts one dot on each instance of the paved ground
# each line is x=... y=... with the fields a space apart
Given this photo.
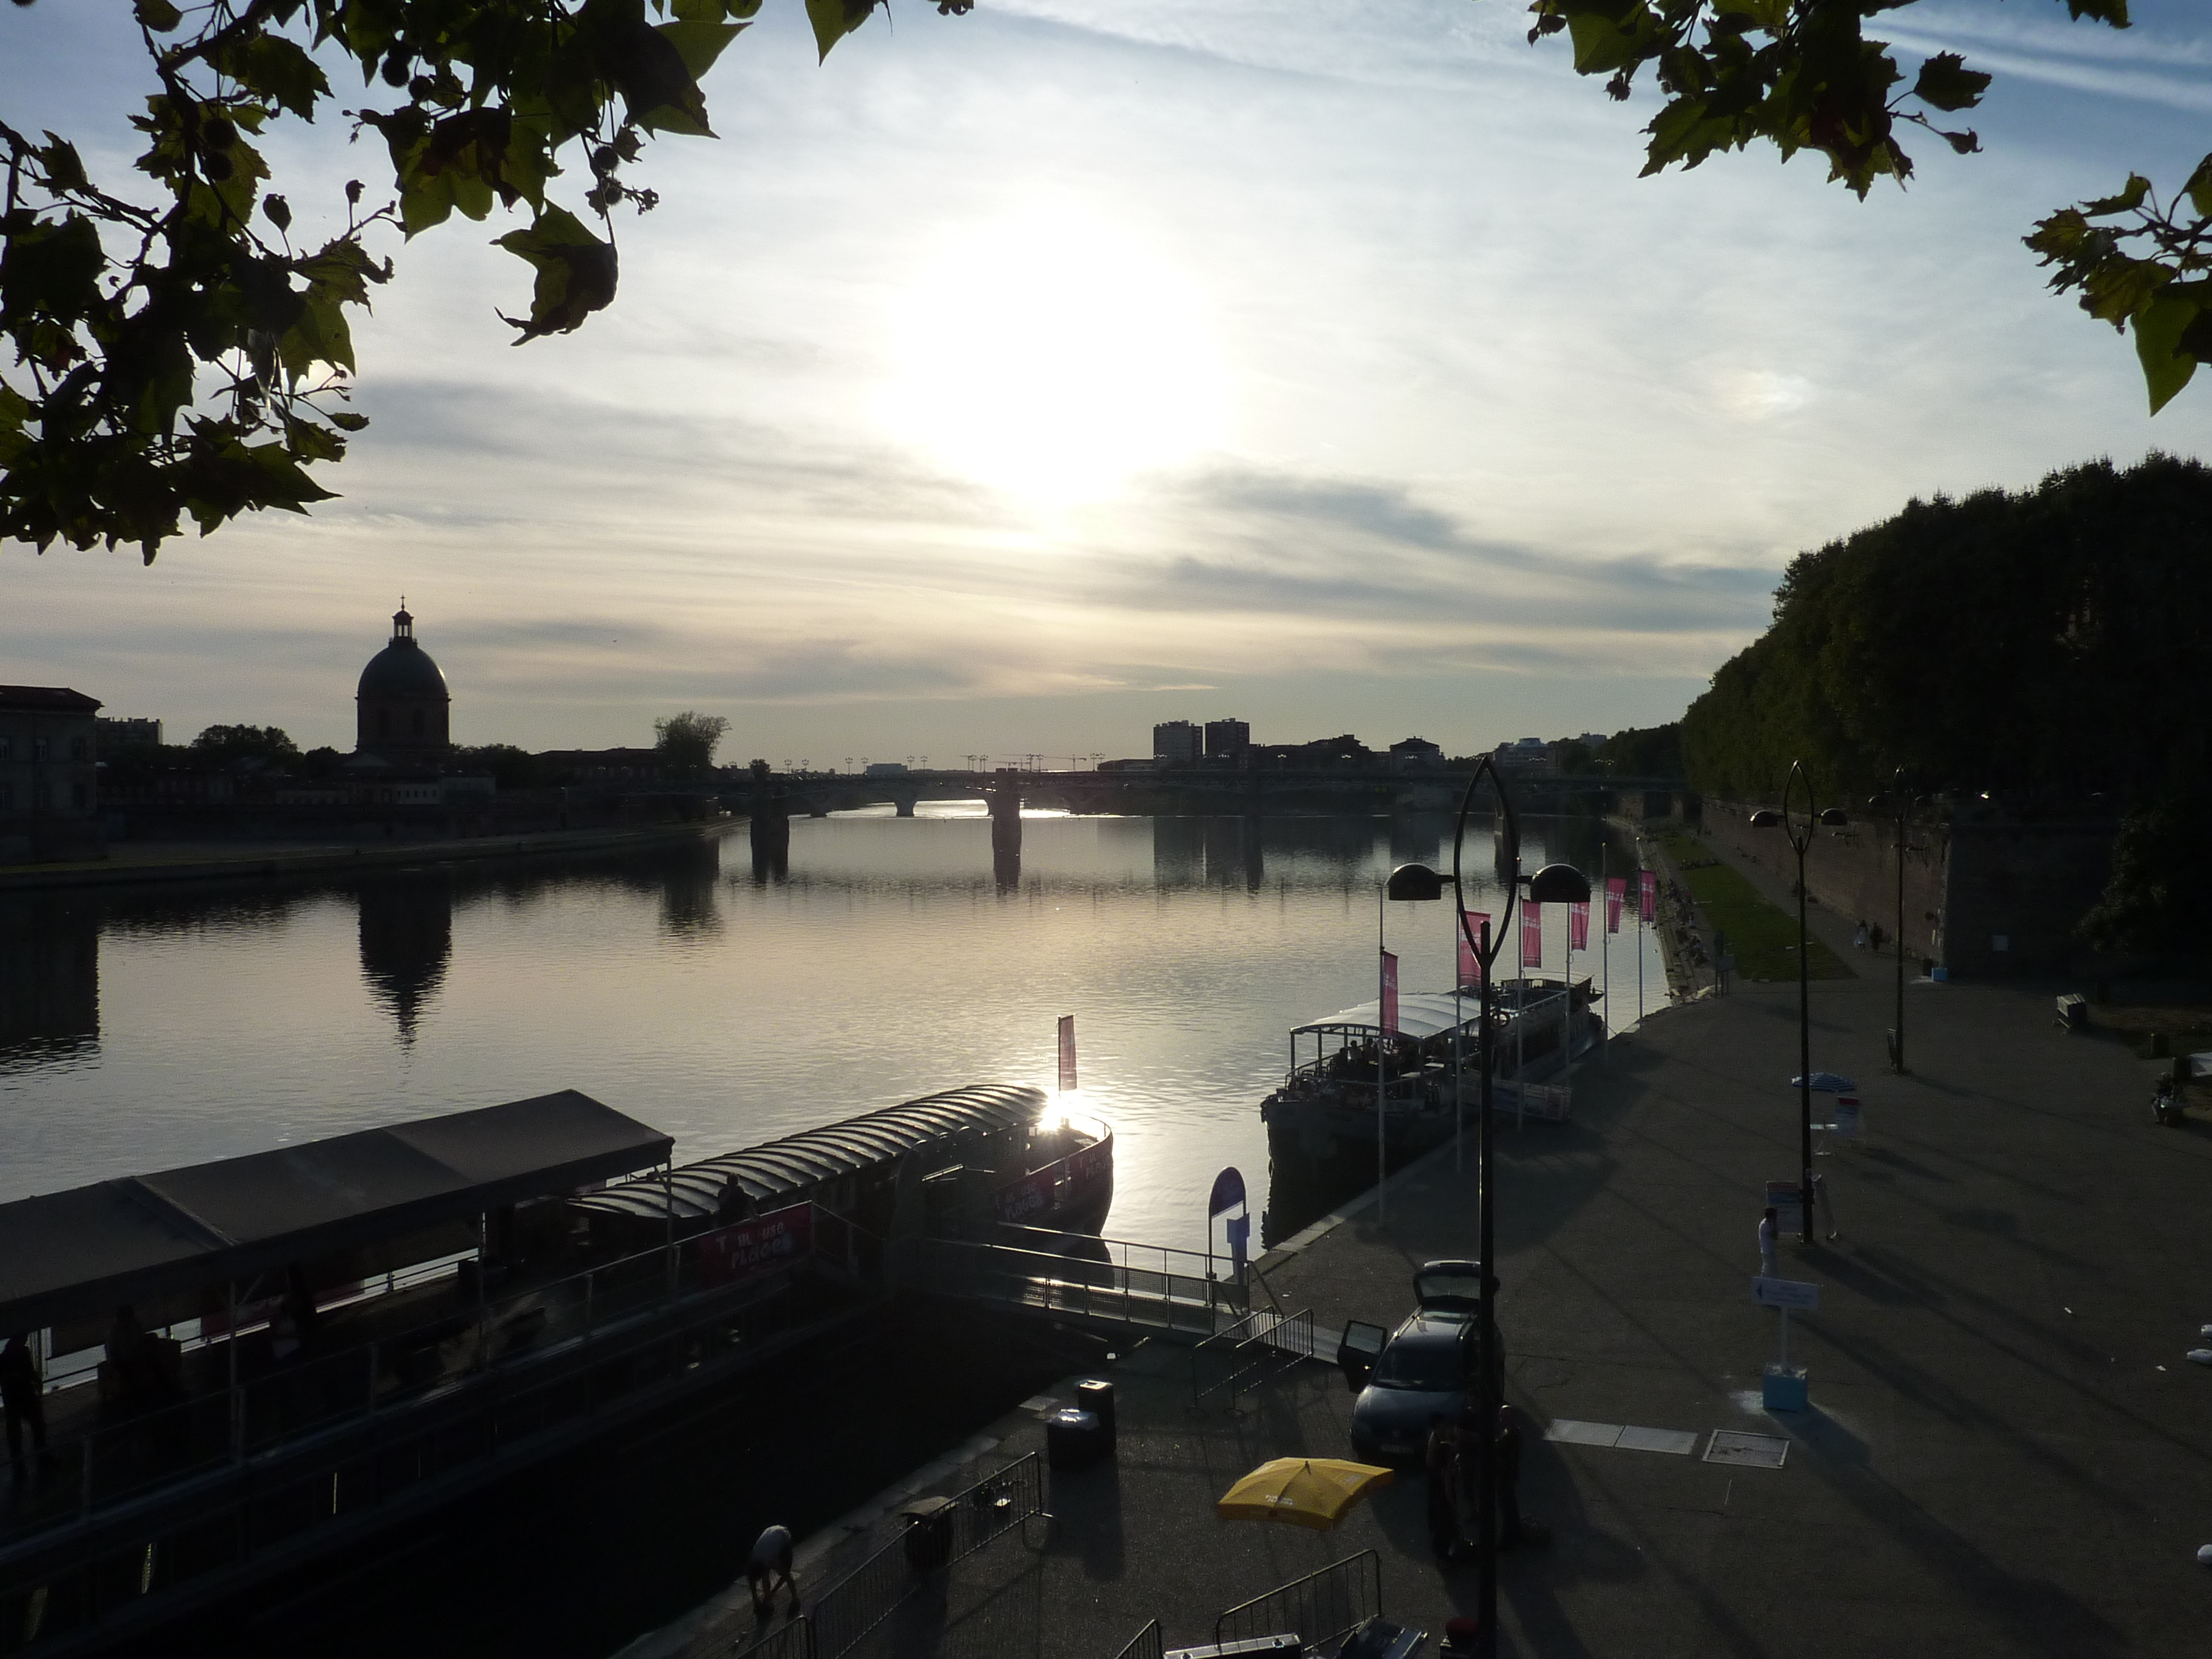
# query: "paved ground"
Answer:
x=2008 y=1453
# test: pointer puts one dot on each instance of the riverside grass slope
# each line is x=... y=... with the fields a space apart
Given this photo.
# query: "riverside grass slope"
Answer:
x=1762 y=936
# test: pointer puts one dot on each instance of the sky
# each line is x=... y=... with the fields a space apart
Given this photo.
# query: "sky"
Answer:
x=1012 y=381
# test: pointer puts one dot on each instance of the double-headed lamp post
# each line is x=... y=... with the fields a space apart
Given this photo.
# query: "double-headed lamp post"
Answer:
x=1555 y=883
x=1898 y=804
x=1800 y=840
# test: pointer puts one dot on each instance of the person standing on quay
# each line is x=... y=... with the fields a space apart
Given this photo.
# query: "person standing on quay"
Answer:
x=1821 y=1207
x=1767 y=1239
x=771 y=1561
x=23 y=1396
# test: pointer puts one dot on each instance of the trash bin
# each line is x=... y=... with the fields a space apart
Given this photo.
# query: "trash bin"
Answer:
x=1096 y=1396
x=1073 y=1439
x=928 y=1542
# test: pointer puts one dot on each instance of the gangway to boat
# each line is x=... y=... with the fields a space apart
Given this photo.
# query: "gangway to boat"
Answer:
x=1112 y=1287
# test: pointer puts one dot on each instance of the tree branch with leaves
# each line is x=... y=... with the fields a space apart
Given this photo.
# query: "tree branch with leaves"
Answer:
x=182 y=358
x=1802 y=75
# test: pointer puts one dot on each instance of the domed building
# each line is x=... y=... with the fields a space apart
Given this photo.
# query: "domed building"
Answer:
x=403 y=711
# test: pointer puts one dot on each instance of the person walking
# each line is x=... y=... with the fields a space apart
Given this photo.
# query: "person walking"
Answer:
x=1768 y=1238
x=771 y=1561
x=1859 y=938
x=23 y=1396
x=1442 y=1463
x=1821 y=1207
x=1874 y=937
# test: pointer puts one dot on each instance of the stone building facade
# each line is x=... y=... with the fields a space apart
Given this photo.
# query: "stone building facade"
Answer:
x=49 y=783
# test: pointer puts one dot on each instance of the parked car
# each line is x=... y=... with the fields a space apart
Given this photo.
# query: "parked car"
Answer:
x=1423 y=1369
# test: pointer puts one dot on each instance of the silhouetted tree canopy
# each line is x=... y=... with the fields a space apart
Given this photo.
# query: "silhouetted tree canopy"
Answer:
x=226 y=744
x=688 y=740
x=509 y=767
x=2051 y=648
x=1650 y=751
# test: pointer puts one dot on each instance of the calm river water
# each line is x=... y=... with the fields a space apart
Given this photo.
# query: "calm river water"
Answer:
x=139 y=1032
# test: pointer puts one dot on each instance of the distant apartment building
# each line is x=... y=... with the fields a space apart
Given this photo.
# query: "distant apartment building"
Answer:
x=1227 y=739
x=114 y=734
x=1416 y=755
x=1176 y=743
x=49 y=788
x=1531 y=755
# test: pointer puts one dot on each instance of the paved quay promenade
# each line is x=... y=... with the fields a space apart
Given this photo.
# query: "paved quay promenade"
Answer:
x=2008 y=1452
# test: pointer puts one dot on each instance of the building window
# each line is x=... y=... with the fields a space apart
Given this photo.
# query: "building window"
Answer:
x=38 y=749
x=80 y=797
x=77 y=749
x=7 y=796
x=6 y=748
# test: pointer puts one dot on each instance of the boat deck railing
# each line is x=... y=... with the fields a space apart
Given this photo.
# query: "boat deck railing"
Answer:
x=232 y=1401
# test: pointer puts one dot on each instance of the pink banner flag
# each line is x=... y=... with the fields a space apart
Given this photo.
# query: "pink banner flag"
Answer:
x=1649 y=912
x=1067 y=1053
x=1616 y=895
x=1578 y=925
x=1532 y=934
x=1470 y=962
x=1389 y=994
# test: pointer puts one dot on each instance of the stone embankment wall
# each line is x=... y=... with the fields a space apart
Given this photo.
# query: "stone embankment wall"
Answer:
x=1981 y=899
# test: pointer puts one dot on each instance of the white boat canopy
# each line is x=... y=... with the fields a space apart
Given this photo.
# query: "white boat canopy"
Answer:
x=1420 y=1014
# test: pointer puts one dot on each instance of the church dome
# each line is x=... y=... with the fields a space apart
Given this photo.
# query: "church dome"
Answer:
x=403 y=670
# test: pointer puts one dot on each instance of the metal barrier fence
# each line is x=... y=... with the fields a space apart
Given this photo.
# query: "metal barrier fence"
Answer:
x=843 y=1614
x=1147 y=1643
x=1316 y=1608
x=242 y=1402
x=62 y=1585
x=1173 y=1298
x=1258 y=1346
x=794 y=1639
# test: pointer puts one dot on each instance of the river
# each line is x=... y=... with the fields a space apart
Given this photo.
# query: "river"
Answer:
x=726 y=1004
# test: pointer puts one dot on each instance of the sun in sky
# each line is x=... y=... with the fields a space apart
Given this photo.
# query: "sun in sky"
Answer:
x=1050 y=354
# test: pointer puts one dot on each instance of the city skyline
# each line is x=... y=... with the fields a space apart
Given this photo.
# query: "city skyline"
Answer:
x=988 y=388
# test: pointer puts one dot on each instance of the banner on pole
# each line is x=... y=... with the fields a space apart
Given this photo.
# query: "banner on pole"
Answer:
x=1067 y=1053
x=1616 y=895
x=1228 y=1191
x=1389 y=994
x=1470 y=962
x=1650 y=910
x=1532 y=934
x=1578 y=925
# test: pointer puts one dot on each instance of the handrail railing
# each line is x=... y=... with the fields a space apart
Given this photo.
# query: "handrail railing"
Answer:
x=1261 y=1345
x=1147 y=1643
x=843 y=1614
x=1316 y=1608
x=1161 y=1300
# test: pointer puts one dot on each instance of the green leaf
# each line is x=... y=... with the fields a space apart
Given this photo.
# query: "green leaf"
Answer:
x=51 y=272
x=158 y=15
x=2158 y=329
x=345 y=421
x=2199 y=188
x=699 y=43
x=576 y=273
x=2126 y=202
x=1946 y=82
x=278 y=69
x=1603 y=43
x=834 y=19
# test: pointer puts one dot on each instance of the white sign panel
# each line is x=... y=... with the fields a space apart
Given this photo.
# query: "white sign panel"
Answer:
x=1785 y=1293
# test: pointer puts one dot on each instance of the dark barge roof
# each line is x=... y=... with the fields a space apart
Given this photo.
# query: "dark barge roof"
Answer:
x=776 y=1169
x=74 y=1256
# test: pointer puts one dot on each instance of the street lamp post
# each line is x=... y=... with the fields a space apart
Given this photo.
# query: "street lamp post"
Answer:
x=1554 y=883
x=1408 y=882
x=1898 y=804
x=1799 y=840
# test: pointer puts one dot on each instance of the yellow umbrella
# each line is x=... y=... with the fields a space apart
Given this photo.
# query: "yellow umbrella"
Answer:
x=1306 y=1491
